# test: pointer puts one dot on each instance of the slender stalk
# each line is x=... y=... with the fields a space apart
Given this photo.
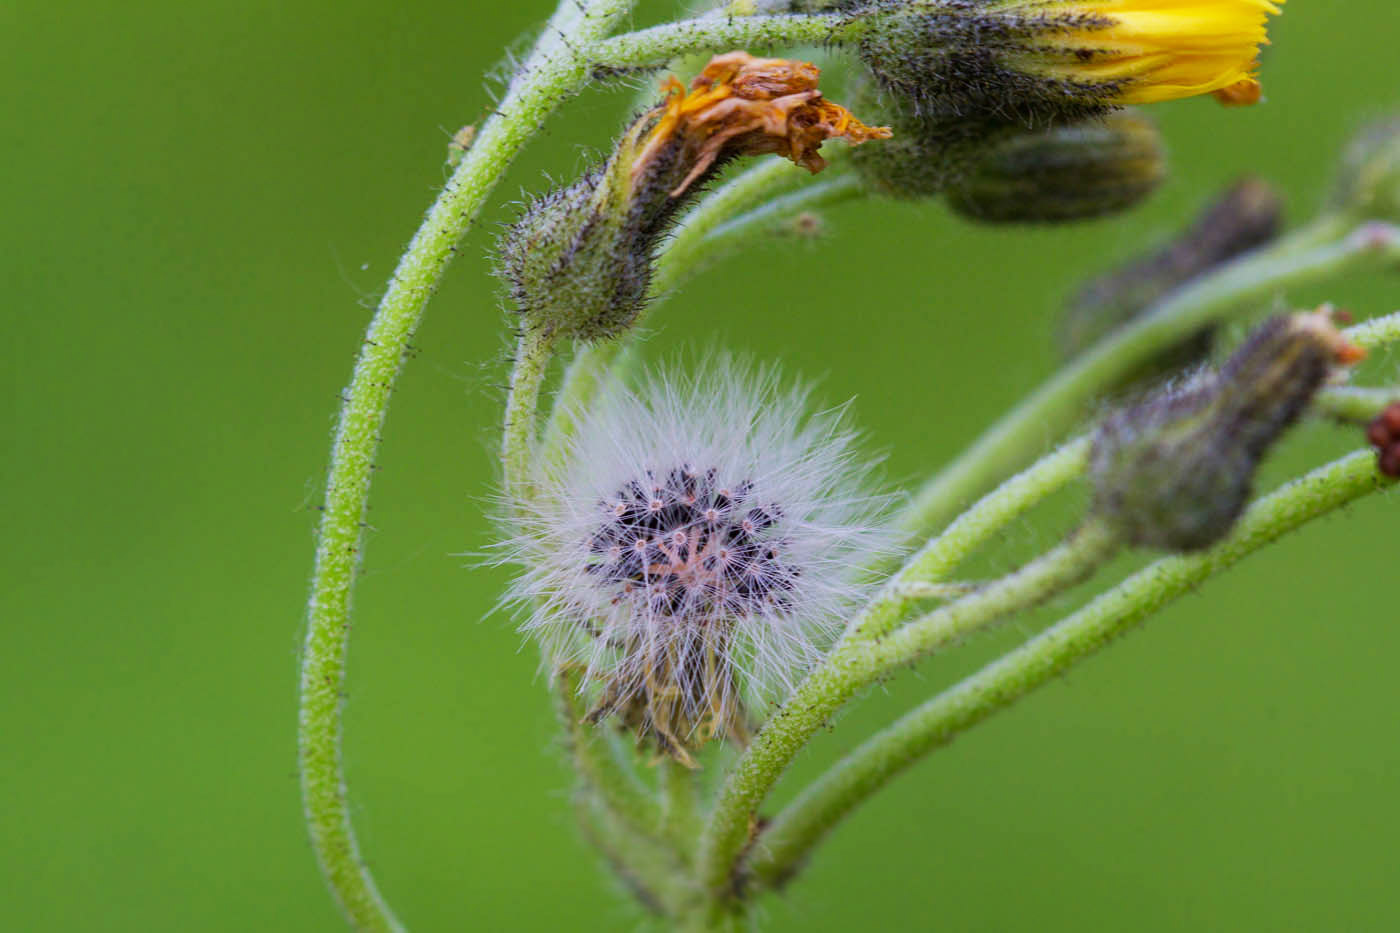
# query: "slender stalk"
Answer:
x=970 y=531
x=680 y=795
x=1354 y=404
x=532 y=355
x=552 y=72
x=856 y=664
x=602 y=773
x=718 y=32
x=801 y=825
x=1059 y=403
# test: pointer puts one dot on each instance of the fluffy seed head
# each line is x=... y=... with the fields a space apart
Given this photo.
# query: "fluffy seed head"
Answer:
x=695 y=550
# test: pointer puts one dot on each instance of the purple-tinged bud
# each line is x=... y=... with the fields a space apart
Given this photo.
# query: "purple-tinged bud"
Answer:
x=1065 y=173
x=1175 y=470
x=1244 y=217
x=1368 y=186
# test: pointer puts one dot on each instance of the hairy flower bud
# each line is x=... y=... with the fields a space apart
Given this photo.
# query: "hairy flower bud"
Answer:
x=1247 y=215
x=579 y=260
x=1369 y=183
x=695 y=552
x=1175 y=470
x=1039 y=61
x=928 y=153
x=1065 y=173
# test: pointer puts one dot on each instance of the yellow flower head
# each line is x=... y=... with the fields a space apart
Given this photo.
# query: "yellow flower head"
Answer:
x=1156 y=50
x=1045 y=61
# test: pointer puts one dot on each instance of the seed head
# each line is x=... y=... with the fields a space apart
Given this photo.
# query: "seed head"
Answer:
x=695 y=551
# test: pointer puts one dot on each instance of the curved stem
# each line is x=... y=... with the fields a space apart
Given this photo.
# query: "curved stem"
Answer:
x=970 y=531
x=552 y=72
x=718 y=32
x=532 y=354
x=856 y=664
x=798 y=828
x=1354 y=404
x=1059 y=403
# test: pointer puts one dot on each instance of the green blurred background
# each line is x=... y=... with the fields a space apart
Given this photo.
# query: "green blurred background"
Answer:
x=201 y=203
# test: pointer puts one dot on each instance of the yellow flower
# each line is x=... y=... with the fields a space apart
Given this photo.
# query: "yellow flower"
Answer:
x=1158 y=50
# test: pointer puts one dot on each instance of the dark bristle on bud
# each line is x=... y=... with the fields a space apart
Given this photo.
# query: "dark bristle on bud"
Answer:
x=959 y=59
x=1065 y=173
x=928 y=152
x=579 y=260
x=1175 y=470
x=1245 y=217
x=1384 y=435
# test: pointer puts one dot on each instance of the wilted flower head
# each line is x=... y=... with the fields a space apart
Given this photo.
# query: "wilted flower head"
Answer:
x=579 y=260
x=699 y=545
x=1045 y=59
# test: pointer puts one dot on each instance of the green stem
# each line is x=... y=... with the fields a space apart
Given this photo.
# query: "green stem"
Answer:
x=716 y=32
x=856 y=664
x=1047 y=414
x=801 y=825
x=970 y=531
x=1354 y=404
x=680 y=795
x=532 y=354
x=617 y=788
x=552 y=72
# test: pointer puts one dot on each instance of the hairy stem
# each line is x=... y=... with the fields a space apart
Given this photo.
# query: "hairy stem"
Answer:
x=532 y=355
x=856 y=664
x=970 y=531
x=618 y=790
x=802 y=824
x=720 y=31
x=552 y=72
x=1058 y=404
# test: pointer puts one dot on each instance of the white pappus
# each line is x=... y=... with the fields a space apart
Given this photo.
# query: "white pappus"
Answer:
x=696 y=549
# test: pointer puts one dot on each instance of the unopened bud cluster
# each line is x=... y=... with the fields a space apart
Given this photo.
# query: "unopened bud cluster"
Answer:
x=579 y=260
x=1175 y=470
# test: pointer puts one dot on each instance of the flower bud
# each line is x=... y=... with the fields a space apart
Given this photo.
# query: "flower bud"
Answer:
x=1065 y=173
x=1384 y=434
x=1042 y=61
x=927 y=153
x=1369 y=184
x=579 y=260
x=1175 y=470
x=1246 y=216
